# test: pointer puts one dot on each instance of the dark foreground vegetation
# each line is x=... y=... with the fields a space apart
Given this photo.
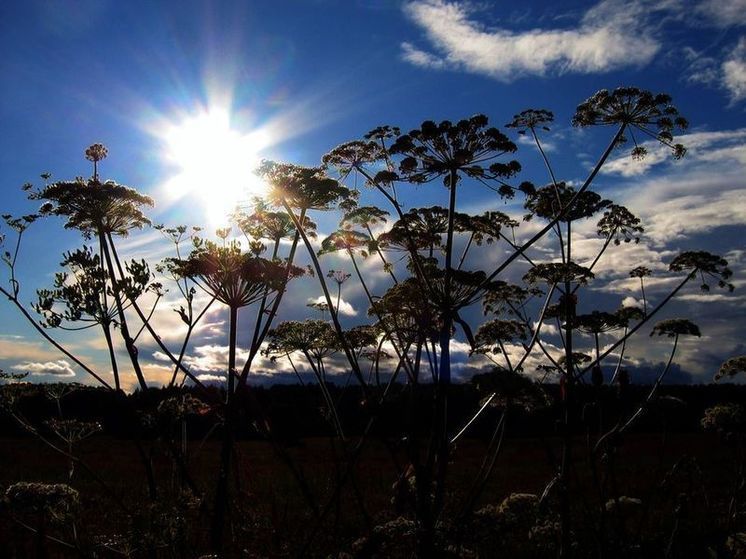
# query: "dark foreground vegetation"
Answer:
x=670 y=487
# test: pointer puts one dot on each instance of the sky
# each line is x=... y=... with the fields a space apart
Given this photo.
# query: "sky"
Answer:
x=289 y=80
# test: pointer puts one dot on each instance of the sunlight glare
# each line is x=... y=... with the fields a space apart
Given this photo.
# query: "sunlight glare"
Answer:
x=214 y=162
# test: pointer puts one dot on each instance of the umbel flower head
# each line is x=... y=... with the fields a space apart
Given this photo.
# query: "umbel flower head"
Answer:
x=263 y=223
x=640 y=272
x=233 y=277
x=558 y=272
x=304 y=188
x=675 y=327
x=420 y=228
x=505 y=298
x=704 y=264
x=619 y=224
x=58 y=502
x=510 y=388
x=92 y=206
x=491 y=334
x=363 y=341
x=724 y=418
x=637 y=109
x=96 y=152
x=406 y=310
x=345 y=239
x=732 y=367
x=314 y=337
x=531 y=119
x=597 y=322
x=551 y=200
x=352 y=156
x=363 y=216
x=435 y=150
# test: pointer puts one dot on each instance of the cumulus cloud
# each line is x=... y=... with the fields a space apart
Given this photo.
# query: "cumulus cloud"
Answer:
x=212 y=358
x=60 y=368
x=630 y=301
x=682 y=216
x=345 y=308
x=702 y=192
x=611 y=35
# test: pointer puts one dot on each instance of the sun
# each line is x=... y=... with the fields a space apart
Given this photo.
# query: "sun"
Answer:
x=214 y=164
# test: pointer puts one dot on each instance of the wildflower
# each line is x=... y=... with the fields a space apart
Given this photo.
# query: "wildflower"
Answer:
x=58 y=502
x=705 y=264
x=447 y=149
x=675 y=327
x=636 y=109
x=724 y=418
x=557 y=272
x=731 y=368
x=96 y=152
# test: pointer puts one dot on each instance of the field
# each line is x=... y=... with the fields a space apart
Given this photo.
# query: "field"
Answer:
x=271 y=518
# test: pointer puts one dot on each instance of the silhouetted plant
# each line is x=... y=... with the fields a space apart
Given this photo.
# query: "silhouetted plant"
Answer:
x=732 y=367
x=439 y=262
x=237 y=280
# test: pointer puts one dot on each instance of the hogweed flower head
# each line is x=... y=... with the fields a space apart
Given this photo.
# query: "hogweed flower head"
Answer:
x=58 y=502
x=732 y=367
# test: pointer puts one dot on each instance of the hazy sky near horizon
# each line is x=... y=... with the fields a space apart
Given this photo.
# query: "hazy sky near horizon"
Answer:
x=289 y=80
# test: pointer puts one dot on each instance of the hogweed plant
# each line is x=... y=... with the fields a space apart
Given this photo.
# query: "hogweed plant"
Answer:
x=439 y=266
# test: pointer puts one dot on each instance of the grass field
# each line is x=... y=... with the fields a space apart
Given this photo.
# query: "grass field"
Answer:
x=271 y=517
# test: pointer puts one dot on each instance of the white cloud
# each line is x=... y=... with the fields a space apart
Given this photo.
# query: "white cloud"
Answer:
x=546 y=145
x=210 y=378
x=707 y=297
x=685 y=216
x=60 y=368
x=734 y=71
x=704 y=191
x=723 y=13
x=727 y=72
x=212 y=358
x=702 y=69
x=547 y=328
x=653 y=284
x=630 y=301
x=610 y=35
x=618 y=259
x=712 y=147
x=418 y=57
x=345 y=308
x=15 y=347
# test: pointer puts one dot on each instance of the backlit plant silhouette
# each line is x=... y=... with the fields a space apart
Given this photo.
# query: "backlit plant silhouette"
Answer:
x=426 y=273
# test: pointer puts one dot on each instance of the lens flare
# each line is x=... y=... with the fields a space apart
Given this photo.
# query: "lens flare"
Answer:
x=213 y=162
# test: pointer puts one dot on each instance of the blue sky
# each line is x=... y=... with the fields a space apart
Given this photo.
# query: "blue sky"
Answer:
x=307 y=75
